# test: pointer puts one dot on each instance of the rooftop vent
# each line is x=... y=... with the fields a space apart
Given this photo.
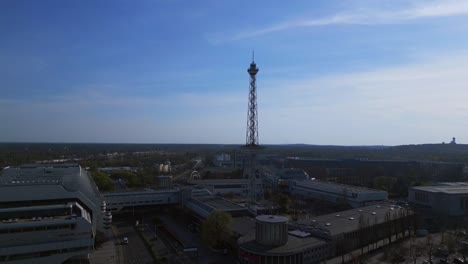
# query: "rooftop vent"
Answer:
x=351 y=218
x=328 y=224
x=373 y=213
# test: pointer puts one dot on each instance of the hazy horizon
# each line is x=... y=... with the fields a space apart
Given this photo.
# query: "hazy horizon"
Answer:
x=227 y=144
x=354 y=73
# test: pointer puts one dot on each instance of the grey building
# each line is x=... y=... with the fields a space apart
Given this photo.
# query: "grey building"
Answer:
x=354 y=196
x=49 y=214
x=238 y=187
x=316 y=239
x=443 y=198
x=272 y=177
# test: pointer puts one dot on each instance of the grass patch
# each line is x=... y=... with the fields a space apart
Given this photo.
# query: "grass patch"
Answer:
x=157 y=259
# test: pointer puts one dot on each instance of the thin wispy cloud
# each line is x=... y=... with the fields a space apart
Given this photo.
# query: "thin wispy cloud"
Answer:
x=415 y=103
x=361 y=16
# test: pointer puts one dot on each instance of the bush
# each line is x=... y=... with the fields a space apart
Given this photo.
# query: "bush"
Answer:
x=149 y=245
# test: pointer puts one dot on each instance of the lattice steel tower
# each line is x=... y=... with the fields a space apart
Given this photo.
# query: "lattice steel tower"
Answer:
x=252 y=115
x=252 y=145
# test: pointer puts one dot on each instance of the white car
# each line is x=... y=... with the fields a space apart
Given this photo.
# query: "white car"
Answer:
x=125 y=240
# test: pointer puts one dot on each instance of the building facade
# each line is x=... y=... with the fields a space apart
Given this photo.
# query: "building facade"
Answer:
x=443 y=198
x=49 y=213
x=336 y=193
x=237 y=187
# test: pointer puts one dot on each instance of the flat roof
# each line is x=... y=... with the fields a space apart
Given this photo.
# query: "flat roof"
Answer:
x=218 y=203
x=333 y=186
x=222 y=181
x=272 y=218
x=133 y=192
x=445 y=187
x=293 y=246
x=243 y=225
x=348 y=221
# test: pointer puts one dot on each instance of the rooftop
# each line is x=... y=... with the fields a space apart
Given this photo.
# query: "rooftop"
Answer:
x=218 y=203
x=348 y=221
x=272 y=218
x=221 y=181
x=333 y=186
x=445 y=187
x=294 y=244
x=39 y=181
x=243 y=225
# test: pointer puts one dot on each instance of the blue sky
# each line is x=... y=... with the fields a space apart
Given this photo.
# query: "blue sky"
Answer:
x=170 y=71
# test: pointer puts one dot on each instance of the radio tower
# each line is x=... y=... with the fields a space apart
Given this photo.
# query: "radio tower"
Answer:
x=251 y=145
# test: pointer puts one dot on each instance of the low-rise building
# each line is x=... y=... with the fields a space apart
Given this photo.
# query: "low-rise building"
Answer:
x=273 y=177
x=442 y=198
x=316 y=239
x=202 y=205
x=336 y=193
x=237 y=187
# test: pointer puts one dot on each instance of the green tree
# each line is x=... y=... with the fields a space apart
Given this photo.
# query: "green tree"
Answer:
x=384 y=183
x=103 y=182
x=130 y=178
x=216 y=229
x=429 y=246
x=282 y=200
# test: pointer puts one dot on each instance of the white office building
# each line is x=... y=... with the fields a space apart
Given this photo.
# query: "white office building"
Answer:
x=48 y=213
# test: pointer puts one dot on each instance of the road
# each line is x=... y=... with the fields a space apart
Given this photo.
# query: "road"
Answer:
x=179 y=228
x=135 y=252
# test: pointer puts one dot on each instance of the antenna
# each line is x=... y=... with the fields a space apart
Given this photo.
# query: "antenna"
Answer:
x=253 y=55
